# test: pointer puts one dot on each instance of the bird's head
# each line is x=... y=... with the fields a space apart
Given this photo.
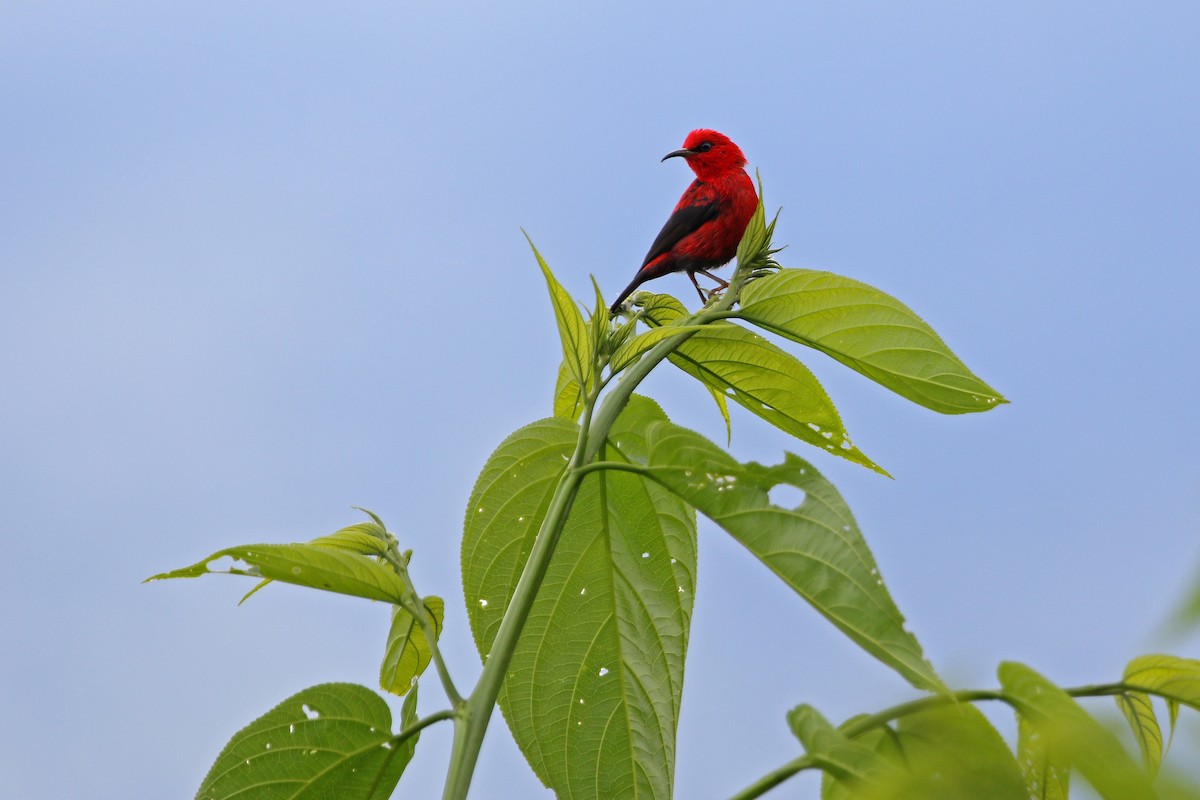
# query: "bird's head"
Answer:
x=709 y=153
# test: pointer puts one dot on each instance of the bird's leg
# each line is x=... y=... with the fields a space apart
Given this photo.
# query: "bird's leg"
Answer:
x=704 y=298
x=722 y=284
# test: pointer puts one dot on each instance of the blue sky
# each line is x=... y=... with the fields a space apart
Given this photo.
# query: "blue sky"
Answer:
x=262 y=262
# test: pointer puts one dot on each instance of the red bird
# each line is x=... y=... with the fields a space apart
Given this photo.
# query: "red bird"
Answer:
x=706 y=226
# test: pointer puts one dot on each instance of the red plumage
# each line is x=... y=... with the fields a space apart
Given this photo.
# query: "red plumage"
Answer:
x=707 y=224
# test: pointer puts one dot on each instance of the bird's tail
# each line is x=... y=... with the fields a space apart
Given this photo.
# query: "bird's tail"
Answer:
x=637 y=281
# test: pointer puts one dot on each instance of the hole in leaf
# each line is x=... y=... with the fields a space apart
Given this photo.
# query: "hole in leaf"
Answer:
x=786 y=496
x=310 y=712
x=603 y=671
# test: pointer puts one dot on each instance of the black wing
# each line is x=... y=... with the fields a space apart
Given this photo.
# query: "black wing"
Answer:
x=683 y=221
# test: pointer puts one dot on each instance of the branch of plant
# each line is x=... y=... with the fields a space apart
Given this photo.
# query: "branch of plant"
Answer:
x=593 y=432
x=421 y=614
x=421 y=724
x=863 y=724
x=399 y=739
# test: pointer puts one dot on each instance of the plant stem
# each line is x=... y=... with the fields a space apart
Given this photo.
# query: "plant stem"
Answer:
x=772 y=779
x=431 y=636
x=866 y=723
x=472 y=724
x=474 y=716
x=420 y=725
x=423 y=618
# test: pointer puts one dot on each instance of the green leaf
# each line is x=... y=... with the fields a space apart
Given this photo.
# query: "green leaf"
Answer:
x=884 y=742
x=1139 y=713
x=312 y=565
x=408 y=651
x=754 y=250
x=1176 y=679
x=1068 y=729
x=945 y=753
x=365 y=538
x=593 y=691
x=761 y=378
x=868 y=331
x=723 y=408
x=816 y=548
x=954 y=752
x=328 y=741
x=568 y=395
x=1046 y=773
x=633 y=349
x=577 y=344
x=850 y=762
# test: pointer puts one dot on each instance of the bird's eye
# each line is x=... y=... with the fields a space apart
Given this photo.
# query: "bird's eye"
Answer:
x=704 y=148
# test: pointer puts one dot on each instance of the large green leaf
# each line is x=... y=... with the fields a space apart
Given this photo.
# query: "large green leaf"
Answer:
x=760 y=377
x=868 y=331
x=1046 y=773
x=408 y=650
x=593 y=691
x=1085 y=743
x=816 y=547
x=328 y=742
x=316 y=565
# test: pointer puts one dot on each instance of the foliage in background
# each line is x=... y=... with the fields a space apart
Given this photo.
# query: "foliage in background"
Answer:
x=579 y=556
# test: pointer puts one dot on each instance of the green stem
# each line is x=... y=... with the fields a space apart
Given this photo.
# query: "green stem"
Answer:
x=403 y=736
x=475 y=714
x=866 y=723
x=421 y=724
x=423 y=618
x=775 y=777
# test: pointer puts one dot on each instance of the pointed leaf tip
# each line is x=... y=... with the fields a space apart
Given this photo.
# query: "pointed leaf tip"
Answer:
x=870 y=332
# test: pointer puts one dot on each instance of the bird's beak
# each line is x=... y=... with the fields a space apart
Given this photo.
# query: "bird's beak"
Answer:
x=682 y=153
